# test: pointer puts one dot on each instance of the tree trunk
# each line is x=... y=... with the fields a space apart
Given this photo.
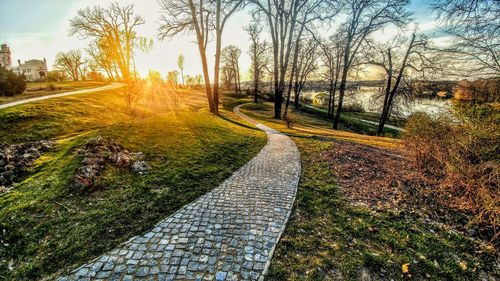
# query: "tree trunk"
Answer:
x=208 y=87
x=255 y=86
x=343 y=82
x=390 y=93
x=216 y=74
x=278 y=93
x=330 y=97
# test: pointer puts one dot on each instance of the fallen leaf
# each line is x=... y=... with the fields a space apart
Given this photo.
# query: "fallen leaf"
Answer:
x=405 y=268
x=463 y=265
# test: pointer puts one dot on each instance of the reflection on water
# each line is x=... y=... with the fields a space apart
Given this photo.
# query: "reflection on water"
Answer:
x=370 y=99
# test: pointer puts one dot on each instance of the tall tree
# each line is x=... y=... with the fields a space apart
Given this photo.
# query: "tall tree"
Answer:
x=115 y=28
x=258 y=55
x=281 y=18
x=230 y=59
x=474 y=28
x=101 y=55
x=305 y=64
x=70 y=62
x=204 y=18
x=363 y=18
x=397 y=63
x=180 y=64
x=286 y=20
x=331 y=58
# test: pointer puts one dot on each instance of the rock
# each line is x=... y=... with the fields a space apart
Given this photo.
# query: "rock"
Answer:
x=140 y=167
x=10 y=167
x=15 y=159
x=365 y=274
x=99 y=152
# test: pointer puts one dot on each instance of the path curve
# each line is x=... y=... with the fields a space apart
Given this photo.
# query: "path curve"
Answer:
x=227 y=234
x=111 y=86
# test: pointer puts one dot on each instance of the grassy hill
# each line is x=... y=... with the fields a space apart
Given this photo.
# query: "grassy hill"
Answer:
x=49 y=225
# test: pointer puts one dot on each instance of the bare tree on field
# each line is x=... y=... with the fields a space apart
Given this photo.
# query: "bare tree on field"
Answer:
x=363 y=18
x=230 y=60
x=474 y=28
x=286 y=20
x=70 y=63
x=227 y=76
x=114 y=29
x=398 y=63
x=258 y=55
x=304 y=66
x=180 y=64
x=101 y=55
x=313 y=11
x=331 y=51
x=204 y=18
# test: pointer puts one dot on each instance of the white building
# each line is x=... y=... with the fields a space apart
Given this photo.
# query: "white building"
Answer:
x=5 y=57
x=33 y=69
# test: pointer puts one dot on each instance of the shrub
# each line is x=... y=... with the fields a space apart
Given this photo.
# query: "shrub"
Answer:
x=51 y=87
x=56 y=76
x=353 y=107
x=464 y=154
x=481 y=90
x=10 y=83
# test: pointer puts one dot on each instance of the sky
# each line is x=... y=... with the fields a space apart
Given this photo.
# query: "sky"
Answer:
x=37 y=29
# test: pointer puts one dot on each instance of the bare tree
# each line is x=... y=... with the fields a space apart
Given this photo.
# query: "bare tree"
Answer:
x=363 y=18
x=320 y=11
x=397 y=65
x=258 y=52
x=115 y=28
x=227 y=76
x=286 y=21
x=204 y=18
x=230 y=59
x=180 y=64
x=331 y=58
x=281 y=17
x=474 y=28
x=70 y=63
x=101 y=55
x=305 y=65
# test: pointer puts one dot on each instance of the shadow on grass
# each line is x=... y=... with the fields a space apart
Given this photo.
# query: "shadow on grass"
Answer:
x=238 y=123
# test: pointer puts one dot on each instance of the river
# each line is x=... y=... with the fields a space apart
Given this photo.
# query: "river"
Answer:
x=371 y=101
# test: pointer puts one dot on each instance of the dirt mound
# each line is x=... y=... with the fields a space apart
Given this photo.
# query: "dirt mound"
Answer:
x=99 y=152
x=15 y=159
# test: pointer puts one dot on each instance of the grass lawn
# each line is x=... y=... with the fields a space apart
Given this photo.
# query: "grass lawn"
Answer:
x=351 y=121
x=48 y=226
x=327 y=238
x=34 y=90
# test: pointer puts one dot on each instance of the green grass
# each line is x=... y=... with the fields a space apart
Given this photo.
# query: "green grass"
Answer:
x=49 y=226
x=39 y=89
x=351 y=121
x=329 y=239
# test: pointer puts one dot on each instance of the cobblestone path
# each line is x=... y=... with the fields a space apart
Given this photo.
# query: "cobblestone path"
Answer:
x=227 y=234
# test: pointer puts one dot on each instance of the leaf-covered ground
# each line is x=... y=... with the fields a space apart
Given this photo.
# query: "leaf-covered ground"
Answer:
x=352 y=219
